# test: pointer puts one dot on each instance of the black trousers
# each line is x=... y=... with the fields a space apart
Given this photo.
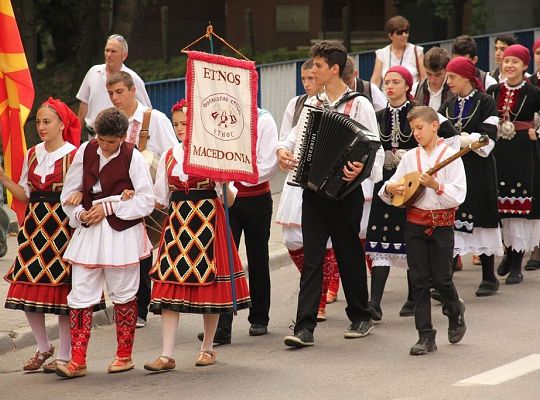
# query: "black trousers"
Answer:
x=340 y=220
x=145 y=287
x=430 y=259
x=253 y=216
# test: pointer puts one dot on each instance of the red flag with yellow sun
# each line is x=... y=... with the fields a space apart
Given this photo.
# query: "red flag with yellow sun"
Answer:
x=16 y=98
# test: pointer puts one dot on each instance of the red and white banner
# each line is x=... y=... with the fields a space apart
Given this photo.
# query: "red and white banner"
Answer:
x=221 y=133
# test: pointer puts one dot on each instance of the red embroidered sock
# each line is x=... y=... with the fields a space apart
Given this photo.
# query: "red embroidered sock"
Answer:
x=80 y=323
x=298 y=258
x=125 y=316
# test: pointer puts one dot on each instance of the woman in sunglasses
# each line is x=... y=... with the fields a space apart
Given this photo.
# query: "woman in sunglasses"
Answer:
x=398 y=52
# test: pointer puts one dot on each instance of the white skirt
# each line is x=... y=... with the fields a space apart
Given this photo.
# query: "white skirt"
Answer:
x=290 y=206
x=486 y=241
x=521 y=234
x=100 y=246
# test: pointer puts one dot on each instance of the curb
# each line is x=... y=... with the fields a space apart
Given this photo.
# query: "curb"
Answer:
x=23 y=337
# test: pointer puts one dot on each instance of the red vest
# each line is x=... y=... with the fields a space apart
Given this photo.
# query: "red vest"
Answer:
x=113 y=177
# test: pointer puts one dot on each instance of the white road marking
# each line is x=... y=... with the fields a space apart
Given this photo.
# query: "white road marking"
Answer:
x=504 y=373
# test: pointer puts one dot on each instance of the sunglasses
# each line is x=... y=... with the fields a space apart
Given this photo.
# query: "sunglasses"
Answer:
x=401 y=32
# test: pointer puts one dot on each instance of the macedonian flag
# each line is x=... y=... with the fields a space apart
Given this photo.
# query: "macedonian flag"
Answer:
x=16 y=98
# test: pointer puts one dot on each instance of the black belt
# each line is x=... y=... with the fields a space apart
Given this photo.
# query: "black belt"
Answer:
x=43 y=196
x=181 y=195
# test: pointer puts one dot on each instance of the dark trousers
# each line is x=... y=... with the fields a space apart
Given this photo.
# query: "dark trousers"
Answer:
x=252 y=216
x=145 y=287
x=340 y=220
x=430 y=259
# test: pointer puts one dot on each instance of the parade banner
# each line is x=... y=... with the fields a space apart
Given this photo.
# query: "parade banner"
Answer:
x=221 y=133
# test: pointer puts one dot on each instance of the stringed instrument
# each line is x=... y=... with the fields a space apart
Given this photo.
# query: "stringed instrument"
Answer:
x=413 y=187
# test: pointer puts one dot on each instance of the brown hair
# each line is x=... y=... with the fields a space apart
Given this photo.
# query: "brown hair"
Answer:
x=308 y=64
x=333 y=52
x=436 y=59
x=123 y=77
x=425 y=113
x=395 y=24
x=111 y=122
x=464 y=45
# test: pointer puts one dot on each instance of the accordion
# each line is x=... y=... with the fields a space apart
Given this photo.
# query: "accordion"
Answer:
x=326 y=141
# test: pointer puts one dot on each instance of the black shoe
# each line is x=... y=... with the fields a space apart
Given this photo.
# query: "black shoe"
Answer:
x=504 y=267
x=257 y=330
x=302 y=338
x=407 y=310
x=532 y=265
x=514 y=279
x=436 y=295
x=456 y=326
x=219 y=338
x=487 y=288
x=376 y=312
x=426 y=344
x=359 y=329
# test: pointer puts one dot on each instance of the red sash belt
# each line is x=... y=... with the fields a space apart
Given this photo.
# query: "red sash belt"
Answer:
x=251 y=191
x=431 y=218
x=522 y=125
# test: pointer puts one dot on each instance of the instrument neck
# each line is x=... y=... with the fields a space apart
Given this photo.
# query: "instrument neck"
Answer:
x=450 y=159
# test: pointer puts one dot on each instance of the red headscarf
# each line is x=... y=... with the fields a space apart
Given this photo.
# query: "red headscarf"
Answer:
x=180 y=105
x=464 y=67
x=518 y=51
x=536 y=44
x=72 y=126
x=406 y=74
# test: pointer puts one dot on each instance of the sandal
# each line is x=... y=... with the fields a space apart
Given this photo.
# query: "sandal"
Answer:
x=35 y=363
x=51 y=367
x=206 y=357
x=121 y=364
x=71 y=370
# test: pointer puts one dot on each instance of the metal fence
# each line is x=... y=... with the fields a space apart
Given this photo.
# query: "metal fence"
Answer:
x=279 y=82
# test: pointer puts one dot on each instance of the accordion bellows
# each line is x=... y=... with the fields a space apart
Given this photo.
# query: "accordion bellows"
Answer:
x=326 y=141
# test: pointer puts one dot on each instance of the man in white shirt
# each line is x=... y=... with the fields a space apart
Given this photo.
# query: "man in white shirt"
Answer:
x=93 y=93
x=161 y=137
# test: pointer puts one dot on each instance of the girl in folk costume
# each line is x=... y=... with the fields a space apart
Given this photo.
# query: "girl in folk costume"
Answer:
x=289 y=214
x=385 y=242
x=39 y=277
x=179 y=118
x=474 y=113
x=191 y=274
x=516 y=154
x=110 y=238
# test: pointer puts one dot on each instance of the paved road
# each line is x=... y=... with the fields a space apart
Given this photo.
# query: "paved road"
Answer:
x=501 y=329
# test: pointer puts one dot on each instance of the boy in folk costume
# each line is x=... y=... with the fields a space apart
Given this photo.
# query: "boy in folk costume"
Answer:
x=340 y=220
x=474 y=113
x=429 y=232
x=109 y=240
x=289 y=214
x=433 y=91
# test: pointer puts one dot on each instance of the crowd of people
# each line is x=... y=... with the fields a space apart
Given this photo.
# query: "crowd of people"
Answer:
x=84 y=227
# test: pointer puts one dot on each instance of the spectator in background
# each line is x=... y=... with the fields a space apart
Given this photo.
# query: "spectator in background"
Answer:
x=465 y=46
x=501 y=43
x=433 y=91
x=398 y=52
x=93 y=93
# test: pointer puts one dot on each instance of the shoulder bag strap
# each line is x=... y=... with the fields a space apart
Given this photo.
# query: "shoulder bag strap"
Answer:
x=144 y=135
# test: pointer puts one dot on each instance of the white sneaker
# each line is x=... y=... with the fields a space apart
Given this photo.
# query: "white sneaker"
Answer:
x=140 y=322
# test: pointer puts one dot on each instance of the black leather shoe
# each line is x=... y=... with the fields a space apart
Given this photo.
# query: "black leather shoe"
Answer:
x=504 y=267
x=532 y=265
x=257 y=330
x=456 y=326
x=514 y=279
x=302 y=338
x=376 y=312
x=426 y=344
x=219 y=337
x=487 y=288
x=407 y=310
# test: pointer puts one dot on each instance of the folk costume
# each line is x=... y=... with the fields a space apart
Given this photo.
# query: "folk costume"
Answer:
x=289 y=216
x=107 y=252
x=534 y=79
x=517 y=158
x=429 y=237
x=323 y=218
x=40 y=278
x=385 y=237
x=477 y=221
x=191 y=273
x=424 y=96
